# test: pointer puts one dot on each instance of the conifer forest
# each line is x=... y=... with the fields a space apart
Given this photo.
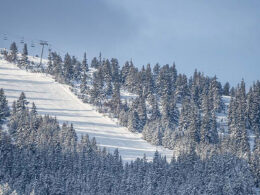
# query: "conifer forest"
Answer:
x=129 y=97
x=212 y=130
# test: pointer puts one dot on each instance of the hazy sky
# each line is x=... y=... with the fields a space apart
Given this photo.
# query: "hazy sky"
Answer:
x=219 y=37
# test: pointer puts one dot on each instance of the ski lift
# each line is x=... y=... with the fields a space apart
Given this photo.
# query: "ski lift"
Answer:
x=32 y=44
x=22 y=40
x=5 y=37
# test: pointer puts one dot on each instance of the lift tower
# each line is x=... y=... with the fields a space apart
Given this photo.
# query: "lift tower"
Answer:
x=43 y=43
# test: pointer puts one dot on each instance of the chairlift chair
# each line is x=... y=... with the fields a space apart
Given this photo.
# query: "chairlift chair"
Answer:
x=22 y=40
x=5 y=37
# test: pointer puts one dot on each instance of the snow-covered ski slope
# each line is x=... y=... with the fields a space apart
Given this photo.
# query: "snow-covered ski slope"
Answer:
x=57 y=100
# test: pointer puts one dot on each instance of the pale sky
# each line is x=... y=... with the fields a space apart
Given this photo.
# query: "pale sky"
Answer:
x=217 y=37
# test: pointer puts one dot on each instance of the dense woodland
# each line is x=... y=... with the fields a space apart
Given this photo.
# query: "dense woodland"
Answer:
x=169 y=109
x=38 y=156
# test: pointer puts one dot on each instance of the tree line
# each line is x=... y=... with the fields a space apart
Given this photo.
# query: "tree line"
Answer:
x=170 y=109
x=40 y=156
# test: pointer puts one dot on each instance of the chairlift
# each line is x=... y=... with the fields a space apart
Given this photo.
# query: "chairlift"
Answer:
x=5 y=37
x=32 y=44
x=22 y=40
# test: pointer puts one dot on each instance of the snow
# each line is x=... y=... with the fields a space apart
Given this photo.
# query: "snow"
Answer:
x=251 y=139
x=57 y=100
x=222 y=118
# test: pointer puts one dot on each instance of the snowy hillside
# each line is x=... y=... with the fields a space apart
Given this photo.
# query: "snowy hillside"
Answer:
x=57 y=100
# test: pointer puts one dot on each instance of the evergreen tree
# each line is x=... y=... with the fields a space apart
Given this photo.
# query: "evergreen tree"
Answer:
x=85 y=63
x=115 y=71
x=83 y=84
x=68 y=68
x=255 y=161
x=95 y=63
x=133 y=122
x=24 y=60
x=241 y=133
x=148 y=82
x=116 y=100
x=77 y=71
x=215 y=95
x=21 y=103
x=209 y=132
x=173 y=112
x=141 y=110
x=68 y=137
x=125 y=71
x=13 y=53
x=4 y=109
x=194 y=124
x=155 y=109
x=237 y=122
x=164 y=85
x=106 y=70
x=156 y=71
x=226 y=89
x=97 y=92
x=50 y=64
x=58 y=71
x=253 y=108
x=182 y=89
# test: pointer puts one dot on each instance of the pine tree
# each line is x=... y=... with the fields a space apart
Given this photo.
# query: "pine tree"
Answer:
x=156 y=71
x=209 y=132
x=157 y=136
x=132 y=79
x=50 y=64
x=164 y=85
x=213 y=129
x=194 y=126
x=5 y=54
x=58 y=71
x=4 y=109
x=116 y=100
x=241 y=135
x=184 y=115
x=97 y=91
x=85 y=63
x=77 y=71
x=253 y=108
x=155 y=109
x=173 y=112
x=95 y=63
x=68 y=137
x=141 y=110
x=13 y=53
x=24 y=60
x=21 y=103
x=115 y=71
x=255 y=161
x=133 y=122
x=106 y=70
x=215 y=95
x=167 y=140
x=165 y=110
x=68 y=68
x=174 y=75
x=149 y=82
x=226 y=89
x=182 y=89
x=83 y=84
x=237 y=122
x=125 y=71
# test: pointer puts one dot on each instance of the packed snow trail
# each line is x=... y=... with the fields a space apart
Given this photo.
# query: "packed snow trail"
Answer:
x=57 y=100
